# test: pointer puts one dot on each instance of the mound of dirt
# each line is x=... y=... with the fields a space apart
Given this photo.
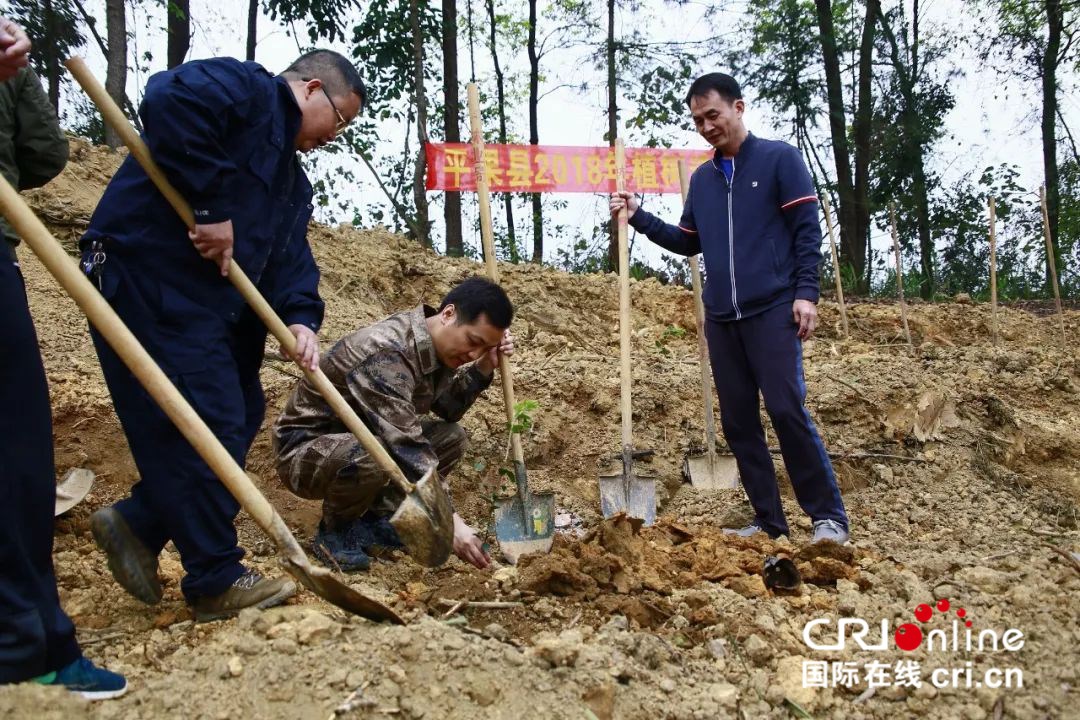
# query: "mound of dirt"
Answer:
x=958 y=460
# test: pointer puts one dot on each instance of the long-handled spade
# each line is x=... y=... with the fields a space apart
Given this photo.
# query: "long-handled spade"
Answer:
x=425 y=518
x=708 y=471
x=210 y=449
x=626 y=492
x=523 y=523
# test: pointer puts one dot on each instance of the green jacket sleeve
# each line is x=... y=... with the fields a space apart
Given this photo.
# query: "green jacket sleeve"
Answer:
x=41 y=149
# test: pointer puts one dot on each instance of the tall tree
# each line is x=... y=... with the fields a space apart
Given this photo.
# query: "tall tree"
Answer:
x=451 y=112
x=500 y=96
x=420 y=100
x=116 y=61
x=909 y=130
x=179 y=29
x=854 y=210
x=53 y=27
x=534 y=133
x=252 y=28
x=1044 y=35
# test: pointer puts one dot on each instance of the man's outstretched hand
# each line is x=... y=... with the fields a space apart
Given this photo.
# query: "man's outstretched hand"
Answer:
x=805 y=314
x=467 y=545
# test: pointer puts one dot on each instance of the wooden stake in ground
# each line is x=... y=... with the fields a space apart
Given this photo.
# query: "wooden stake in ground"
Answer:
x=835 y=263
x=899 y=273
x=1051 y=264
x=993 y=272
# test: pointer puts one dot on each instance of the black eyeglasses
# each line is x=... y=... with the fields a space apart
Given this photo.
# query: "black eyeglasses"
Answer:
x=342 y=123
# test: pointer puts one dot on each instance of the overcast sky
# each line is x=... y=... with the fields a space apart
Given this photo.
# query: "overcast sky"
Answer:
x=993 y=122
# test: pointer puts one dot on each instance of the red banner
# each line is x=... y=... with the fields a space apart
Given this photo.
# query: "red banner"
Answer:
x=557 y=168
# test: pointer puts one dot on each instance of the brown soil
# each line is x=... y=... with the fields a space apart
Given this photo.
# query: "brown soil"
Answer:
x=958 y=461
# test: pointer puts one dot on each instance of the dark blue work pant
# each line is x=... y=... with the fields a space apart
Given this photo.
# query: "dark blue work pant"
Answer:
x=215 y=366
x=763 y=353
x=36 y=636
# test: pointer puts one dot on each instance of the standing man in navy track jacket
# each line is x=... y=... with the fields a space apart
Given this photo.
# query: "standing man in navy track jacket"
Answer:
x=752 y=212
x=226 y=133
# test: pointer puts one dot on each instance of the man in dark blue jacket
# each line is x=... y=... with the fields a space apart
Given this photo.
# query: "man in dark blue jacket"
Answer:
x=226 y=134
x=752 y=212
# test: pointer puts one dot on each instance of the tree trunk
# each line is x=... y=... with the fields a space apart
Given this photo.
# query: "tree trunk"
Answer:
x=116 y=72
x=852 y=250
x=861 y=130
x=455 y=245
x=1054 y=21
x=252 y=28
x=511 y=240
x=52 y=65
x=613 y=123
x=534 y=133
x=179 y=27
x=420 y=100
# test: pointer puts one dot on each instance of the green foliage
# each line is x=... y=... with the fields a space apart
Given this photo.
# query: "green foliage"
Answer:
x=671 y=332
x=325 y=19
x=523 y=416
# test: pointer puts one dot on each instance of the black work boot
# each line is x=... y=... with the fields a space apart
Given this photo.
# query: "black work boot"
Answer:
x=130 y=561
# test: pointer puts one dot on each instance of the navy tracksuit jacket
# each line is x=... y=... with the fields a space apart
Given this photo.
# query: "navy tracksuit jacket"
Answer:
x=223 y=132
x=760 y=238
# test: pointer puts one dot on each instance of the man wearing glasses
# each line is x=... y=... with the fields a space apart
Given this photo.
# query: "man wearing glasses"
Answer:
x=226 y=133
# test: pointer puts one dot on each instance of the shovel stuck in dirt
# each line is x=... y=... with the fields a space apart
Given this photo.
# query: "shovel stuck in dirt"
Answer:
x=628 y=491
x=523 y=523
x=709 y=471
x=425 y=518
x=158 y=385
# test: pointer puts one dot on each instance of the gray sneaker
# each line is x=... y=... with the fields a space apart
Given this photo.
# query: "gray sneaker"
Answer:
x=829 y=530
x=751 y=529
x=250 y=590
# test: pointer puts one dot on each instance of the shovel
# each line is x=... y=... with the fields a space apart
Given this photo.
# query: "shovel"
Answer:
x=523 y=523
x=425 y=519
x=210 y=449
x=708 y=471
x=627 y=492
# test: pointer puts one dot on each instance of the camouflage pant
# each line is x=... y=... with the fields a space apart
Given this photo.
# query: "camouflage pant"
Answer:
x=338 y=471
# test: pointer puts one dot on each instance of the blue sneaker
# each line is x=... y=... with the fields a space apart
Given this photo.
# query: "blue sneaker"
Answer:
x=88 y=680
x=340 y=548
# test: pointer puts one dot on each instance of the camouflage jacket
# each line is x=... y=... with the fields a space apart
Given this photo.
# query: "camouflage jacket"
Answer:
x=389 y=373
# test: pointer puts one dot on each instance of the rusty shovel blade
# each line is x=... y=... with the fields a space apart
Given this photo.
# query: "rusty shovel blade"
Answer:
x=425 y=521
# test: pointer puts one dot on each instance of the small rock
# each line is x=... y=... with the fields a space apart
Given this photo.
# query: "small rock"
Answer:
x=882 y=473
x=316 y=627
x=234 y=667
x=725 y=695
x=749 y=586
x=285 y=646
x=496 y=631
x=789 y=678
x=248 y=645
x=601 y=700
x=667 y=685
x=986 y=579
x=717 y=648
x=757 y=650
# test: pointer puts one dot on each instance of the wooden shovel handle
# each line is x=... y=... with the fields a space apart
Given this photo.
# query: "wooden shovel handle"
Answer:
x=115 y=118
x=484 y=197
x=625 y=377
x=703 y=346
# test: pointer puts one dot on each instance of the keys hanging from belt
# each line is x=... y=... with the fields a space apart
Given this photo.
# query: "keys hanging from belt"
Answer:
x=93 y=260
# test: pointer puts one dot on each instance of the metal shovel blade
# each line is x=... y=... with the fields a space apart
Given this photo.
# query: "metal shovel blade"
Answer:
x=425 y=521
x=628 y=492
x=711 y=473
x=524 y=525
x=321 y=582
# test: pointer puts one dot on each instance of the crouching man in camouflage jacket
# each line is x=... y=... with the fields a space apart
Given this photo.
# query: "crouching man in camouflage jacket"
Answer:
x=393 y=374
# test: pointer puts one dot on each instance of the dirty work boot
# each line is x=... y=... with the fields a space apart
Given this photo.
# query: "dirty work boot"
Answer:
x=376 y=535
x=342 y=548
x=130 y=562
x=86 y=679
x=751 y=529
x=250 y=590
x=829 y=530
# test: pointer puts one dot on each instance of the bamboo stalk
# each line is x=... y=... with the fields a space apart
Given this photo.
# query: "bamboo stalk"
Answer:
x=993 y=272
x=899 y=273
x=835 y=264
x=1050 y=263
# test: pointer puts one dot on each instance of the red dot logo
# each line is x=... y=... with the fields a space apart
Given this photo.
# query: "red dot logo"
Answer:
x=961 y=613
x=923 y=613
x=943 y=605
x=908 y=636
